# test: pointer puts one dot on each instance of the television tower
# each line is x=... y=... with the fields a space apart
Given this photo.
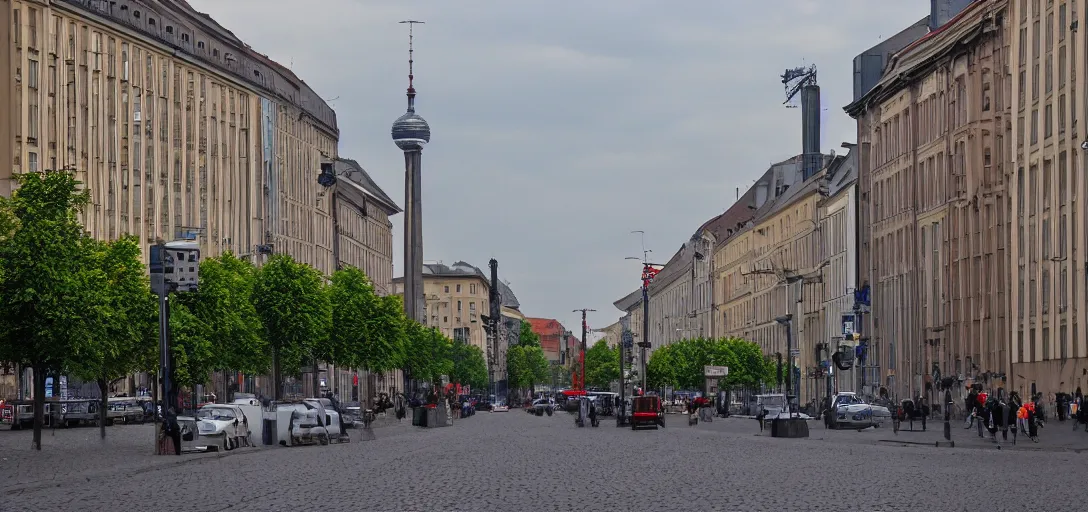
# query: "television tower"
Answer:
x=411 y=132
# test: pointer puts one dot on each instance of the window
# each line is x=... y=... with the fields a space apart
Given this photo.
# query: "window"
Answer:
x=458 y=306
x=472 y=288
x=1035 y=126
x=458 y=291
x=446 y=290
x=215 y=53
x=256 y=73
x=151 y=21
x=1048 y=78
x=1061 y=66
x=32 y=74
x=1061 y=114
x=1048 y=118
x=1035 y=82
x=1061 y=22
x=472 y=307
x=1035 y=40
x=136 y=14
x=32 y=162
x=200 y=45
x=170 y=29
x=185 y=37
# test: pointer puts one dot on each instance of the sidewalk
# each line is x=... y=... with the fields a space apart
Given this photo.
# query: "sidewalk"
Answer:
x=79 y=453
x=1054 y=437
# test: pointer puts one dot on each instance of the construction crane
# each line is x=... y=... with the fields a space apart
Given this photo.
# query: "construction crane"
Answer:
x=796 y=79
x=802 y=82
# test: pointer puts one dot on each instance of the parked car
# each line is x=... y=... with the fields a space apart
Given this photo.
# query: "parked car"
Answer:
x=850 y=411
x=222 y=426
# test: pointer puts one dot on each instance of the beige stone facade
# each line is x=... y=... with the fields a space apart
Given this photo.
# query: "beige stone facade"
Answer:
x=933 y=137
x=1048 y=351
x=782 y=245
x=457 y=296
x=180 y=130
x=177 y=128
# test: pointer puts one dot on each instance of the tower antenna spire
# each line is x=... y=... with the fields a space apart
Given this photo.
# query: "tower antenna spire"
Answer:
x=411 y=75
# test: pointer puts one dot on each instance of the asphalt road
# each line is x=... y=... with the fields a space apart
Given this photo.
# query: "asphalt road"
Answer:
x=514 y=461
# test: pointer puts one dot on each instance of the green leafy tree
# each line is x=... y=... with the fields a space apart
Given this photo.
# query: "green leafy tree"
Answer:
x=660 y=369
x=469 y=366
x=386 y=338
x=428 y=353
x=295 y=312
x=192 y=346
x=537 y=365
x=44 y=285
x=528 y=338
x=517 y=368
x=122 y=315
x=355 y=302
x=224 y=303
x=602 y=365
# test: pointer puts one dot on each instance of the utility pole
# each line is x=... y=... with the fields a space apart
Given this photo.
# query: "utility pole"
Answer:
x=649 y=270
x=584 y=329
x=495 y=316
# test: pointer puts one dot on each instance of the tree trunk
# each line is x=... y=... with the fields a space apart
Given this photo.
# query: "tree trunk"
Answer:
x=316 y=381
x=277 y=378
x=39 y=406
x=102 y=407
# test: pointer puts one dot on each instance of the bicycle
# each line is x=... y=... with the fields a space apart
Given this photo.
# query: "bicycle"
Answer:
x=368 y=418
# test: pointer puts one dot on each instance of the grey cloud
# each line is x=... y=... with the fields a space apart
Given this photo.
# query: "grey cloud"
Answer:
x=569 y=115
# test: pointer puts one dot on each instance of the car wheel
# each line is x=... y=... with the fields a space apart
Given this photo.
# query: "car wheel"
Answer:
x=227 y=444
x=324 y=439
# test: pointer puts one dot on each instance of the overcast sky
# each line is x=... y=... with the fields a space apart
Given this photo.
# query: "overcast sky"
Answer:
x=559 y=127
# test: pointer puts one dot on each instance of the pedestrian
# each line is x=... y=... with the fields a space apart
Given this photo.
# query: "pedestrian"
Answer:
x=760 y=416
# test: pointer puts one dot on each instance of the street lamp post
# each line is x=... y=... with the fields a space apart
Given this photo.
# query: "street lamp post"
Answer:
x=649 y=270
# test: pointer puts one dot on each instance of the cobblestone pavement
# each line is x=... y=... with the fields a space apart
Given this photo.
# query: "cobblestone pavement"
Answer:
x=515 y=461
x=1054 y=437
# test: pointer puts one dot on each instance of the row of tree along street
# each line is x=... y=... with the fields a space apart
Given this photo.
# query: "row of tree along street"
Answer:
x=679 y=365
x=73 y=305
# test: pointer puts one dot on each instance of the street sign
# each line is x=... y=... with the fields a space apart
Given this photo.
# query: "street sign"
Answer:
x=628 y=339
x=847 y=325
x=795 y=352
x=715 y=371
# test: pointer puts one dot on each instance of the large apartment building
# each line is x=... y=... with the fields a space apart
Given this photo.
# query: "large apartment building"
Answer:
x=456 y=297
x=933 y=137
x=179 y=129
x=1046 y=196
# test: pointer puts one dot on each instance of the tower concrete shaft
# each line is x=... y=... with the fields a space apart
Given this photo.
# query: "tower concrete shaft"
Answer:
x=415 y=306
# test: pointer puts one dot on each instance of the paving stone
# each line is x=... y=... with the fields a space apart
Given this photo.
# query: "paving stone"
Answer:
x=515 y=461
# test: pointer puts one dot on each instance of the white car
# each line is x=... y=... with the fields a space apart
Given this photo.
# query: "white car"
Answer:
x=500 y=407
x=222 y=426
x=850 y=411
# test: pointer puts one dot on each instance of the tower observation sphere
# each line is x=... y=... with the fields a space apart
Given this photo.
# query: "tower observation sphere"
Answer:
x=410 y=131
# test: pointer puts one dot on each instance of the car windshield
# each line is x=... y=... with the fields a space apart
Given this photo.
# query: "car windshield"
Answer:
x=773 y=402
x=216 y=413
x=849 y=400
